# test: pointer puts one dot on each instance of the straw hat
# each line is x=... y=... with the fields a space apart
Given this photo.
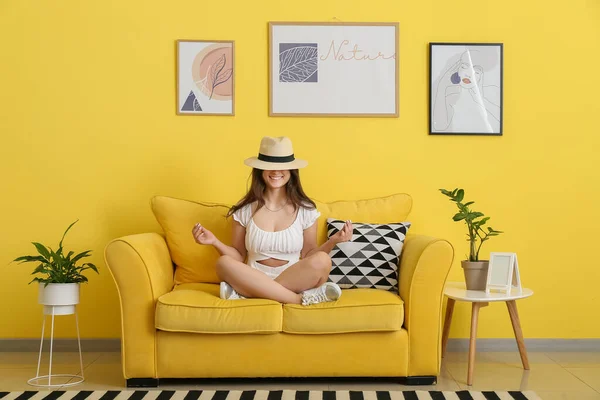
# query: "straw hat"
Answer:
x=275 y=154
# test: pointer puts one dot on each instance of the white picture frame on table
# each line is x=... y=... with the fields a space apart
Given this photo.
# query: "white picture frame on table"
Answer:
x=503 y=273
x=344 y=69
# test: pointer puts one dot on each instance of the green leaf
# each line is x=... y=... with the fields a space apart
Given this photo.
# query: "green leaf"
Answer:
x=56 y=258
x=445 y=192
x=42 y=250
x=25 y=259
x=41 y=280
x=80 y=256
x=483 y=221
x=476 y=214
x=39 y=268
x=459 y=217
x=460 y=195
x=469 y=203
x=63 y=238
x=92 y=266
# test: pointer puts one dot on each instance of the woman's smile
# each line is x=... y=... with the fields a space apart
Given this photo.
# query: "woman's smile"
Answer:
x=276 y=178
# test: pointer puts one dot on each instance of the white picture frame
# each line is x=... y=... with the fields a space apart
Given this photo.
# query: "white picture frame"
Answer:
x=503 y=273
x=343 y=69
x=205 y=77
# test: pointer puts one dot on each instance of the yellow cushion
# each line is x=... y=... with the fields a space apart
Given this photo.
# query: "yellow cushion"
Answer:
x=197 y=308
x=394 y=208
x=195 y=263
x=358 y=310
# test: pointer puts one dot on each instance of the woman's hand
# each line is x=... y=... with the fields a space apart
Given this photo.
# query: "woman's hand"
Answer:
x=203 y=235
x=344 y=235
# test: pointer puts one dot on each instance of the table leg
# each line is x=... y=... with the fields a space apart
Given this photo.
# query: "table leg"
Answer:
x=516 y=324
x=447 y=322
x=472 y=341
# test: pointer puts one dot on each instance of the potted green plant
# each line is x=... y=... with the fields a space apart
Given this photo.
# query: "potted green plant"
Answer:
x=60 y=276
x=475 y=270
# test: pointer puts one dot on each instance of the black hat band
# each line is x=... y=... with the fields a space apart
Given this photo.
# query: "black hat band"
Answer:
x=273 y=159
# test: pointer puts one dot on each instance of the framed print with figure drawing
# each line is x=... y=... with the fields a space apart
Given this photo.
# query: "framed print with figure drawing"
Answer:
x=343 y=69
x=205 y=77
x=465 y=88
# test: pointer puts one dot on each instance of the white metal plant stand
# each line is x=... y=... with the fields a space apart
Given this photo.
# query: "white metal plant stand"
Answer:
x=66 y=306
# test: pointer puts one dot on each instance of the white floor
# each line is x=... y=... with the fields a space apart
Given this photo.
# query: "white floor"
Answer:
x=559 y=375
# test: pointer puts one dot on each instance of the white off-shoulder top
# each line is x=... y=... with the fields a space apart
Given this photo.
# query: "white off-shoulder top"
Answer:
x=283 y=245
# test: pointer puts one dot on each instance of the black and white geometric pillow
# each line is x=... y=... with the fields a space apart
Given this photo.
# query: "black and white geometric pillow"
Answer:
x=371 y=259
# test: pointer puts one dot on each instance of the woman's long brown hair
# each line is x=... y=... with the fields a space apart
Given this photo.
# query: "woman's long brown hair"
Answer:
x=293 y=188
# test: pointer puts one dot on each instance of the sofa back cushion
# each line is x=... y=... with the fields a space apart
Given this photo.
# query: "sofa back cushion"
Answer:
x=381 y=210
x=196 y=263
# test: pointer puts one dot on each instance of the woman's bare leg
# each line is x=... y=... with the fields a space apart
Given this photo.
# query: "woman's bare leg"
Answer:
x=308 y=273
x=252 y=283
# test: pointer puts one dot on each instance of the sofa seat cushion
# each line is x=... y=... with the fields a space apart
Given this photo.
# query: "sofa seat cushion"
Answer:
x=357 y=310
x=197 y=308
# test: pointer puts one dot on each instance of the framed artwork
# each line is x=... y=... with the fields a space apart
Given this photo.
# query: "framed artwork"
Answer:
x=503 y=273
x=333 y=69
x=465 y=88
x=205 y=77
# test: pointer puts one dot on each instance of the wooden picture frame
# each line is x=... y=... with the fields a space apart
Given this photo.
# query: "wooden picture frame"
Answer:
x=466 y=89
x=205 y=75
x=334 y=69
x=503 y=273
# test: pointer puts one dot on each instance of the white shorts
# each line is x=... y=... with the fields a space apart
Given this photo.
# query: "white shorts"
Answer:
x=271 y=272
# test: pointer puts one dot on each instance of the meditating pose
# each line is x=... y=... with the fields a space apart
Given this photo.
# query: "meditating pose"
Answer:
x=274 y=227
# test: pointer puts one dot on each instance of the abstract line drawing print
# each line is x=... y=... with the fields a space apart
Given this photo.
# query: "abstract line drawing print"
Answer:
x=298 y=62
x=215 y=75
x=461 y=101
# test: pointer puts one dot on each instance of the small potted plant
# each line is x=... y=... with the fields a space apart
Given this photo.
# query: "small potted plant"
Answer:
x=61 y=276
x=475 y=270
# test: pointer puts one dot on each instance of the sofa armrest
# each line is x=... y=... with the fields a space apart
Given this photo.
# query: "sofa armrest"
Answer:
x=143 y=271
x=424 y=266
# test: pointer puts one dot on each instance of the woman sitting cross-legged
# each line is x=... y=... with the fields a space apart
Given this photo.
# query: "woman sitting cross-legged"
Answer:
x=275 y=227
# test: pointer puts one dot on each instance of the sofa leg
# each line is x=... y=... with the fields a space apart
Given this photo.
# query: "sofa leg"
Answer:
x=418 y=380
x=142 y=382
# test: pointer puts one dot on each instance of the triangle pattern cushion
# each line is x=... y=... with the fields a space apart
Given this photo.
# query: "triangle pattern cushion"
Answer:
x=380 y=270
x=194 y=262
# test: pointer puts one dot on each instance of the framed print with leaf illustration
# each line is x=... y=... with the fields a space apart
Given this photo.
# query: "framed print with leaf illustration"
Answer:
x=333 y=69
x=465 y=88
x=205 y=77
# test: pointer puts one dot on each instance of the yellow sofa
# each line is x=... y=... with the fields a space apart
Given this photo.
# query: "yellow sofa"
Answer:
x=174 y=325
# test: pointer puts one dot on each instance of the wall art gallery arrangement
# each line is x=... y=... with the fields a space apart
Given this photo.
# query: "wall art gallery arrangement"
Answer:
x=341 y=69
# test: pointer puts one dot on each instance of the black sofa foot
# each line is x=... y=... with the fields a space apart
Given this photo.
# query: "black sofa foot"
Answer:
x=418 y=380
x=142 y=382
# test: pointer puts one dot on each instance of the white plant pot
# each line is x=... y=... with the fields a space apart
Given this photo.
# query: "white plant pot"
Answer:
x=59 y=298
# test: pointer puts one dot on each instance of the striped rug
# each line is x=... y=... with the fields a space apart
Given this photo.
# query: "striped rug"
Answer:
x=266 y=395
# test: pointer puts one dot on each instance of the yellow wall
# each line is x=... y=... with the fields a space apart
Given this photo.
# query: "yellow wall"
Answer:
x=88 y=131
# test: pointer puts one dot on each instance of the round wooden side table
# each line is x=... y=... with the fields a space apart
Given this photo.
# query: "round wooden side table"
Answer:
x=456 y=291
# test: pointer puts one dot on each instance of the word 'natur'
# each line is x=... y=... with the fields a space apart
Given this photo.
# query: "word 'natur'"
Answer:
x=338 y=53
